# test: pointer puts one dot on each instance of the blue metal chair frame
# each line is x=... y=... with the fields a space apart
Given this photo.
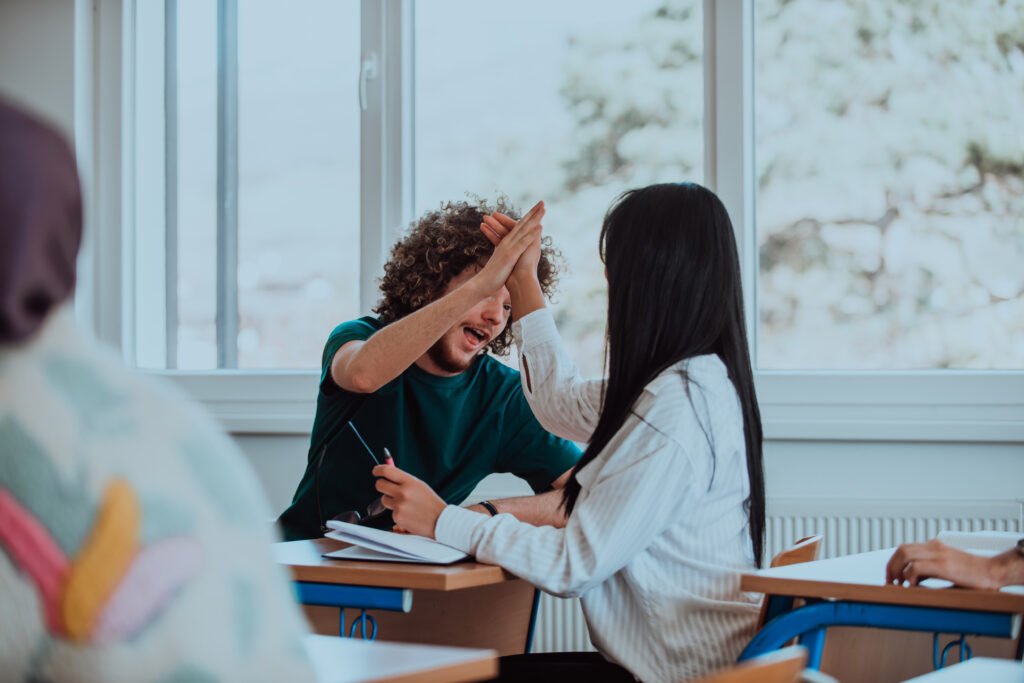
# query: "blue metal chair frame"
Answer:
x=810 y=622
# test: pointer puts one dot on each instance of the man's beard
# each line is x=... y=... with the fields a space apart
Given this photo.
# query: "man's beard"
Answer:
x=445 y=360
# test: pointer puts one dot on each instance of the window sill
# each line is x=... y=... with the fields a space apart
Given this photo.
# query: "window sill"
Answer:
x=855 y=406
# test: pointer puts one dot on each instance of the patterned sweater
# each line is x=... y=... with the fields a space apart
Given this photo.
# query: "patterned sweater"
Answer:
x=134 y=539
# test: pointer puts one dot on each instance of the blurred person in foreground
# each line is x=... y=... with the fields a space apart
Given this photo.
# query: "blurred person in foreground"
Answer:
x=914 y=562
x=420 y=379
x=132 y=542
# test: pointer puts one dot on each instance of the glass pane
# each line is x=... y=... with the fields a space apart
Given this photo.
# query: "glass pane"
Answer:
x=569 y=102
x=890 y=162
x=298 y=235
x=197 y=185
x=298 y=180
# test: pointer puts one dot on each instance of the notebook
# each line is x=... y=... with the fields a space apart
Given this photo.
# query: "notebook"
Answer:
x=387 y=546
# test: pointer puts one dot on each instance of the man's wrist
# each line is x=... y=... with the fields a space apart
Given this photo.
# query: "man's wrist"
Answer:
x=473 y=287
x=1006 y=568
x=485 y=507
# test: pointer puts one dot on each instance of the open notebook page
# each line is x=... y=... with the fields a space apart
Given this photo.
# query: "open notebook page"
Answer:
x=396 y=547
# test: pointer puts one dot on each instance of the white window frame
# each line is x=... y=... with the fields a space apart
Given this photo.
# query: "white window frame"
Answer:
x=924 y=406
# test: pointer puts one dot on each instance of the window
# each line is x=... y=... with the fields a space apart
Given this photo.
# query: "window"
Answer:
x=869 y=153
x=562 y=110
x=254 y=251
x=890 y=185
x=254 y=216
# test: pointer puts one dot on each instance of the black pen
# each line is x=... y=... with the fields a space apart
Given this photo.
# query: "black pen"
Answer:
x=360 y=437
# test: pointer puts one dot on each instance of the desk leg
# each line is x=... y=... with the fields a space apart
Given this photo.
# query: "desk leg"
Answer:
x=533 y=621
x=822 y=615
x=814 y=641
x=360 y=597
x=495 y=617
x=777 y=605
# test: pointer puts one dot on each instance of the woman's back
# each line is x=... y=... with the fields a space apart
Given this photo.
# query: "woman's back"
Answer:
x=681 y=595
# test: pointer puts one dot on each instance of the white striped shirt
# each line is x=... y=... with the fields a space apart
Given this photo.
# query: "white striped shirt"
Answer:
x=658 y=536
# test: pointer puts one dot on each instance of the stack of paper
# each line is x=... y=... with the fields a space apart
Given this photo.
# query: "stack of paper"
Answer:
x=387 y=546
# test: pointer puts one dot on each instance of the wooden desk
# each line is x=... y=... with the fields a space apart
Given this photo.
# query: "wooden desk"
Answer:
x=346 y=660
x=851 y=592
x=976 y=670
x=468 y=604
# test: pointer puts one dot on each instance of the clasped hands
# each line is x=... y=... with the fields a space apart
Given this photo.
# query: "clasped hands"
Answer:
x=517 y=248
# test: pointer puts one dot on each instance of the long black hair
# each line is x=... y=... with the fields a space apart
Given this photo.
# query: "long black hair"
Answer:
x=674 y=292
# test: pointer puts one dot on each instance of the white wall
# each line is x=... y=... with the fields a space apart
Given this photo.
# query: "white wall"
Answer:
x=37 y=65
x=844 y=471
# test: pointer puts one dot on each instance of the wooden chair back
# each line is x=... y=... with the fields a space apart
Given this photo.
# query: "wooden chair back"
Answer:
x=782 y=666
x=804 y=550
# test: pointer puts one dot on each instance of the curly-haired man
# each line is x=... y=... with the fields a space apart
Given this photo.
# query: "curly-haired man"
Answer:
x=418 y=380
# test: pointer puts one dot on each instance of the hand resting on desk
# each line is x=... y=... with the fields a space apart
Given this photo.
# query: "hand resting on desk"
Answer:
x=915 y=562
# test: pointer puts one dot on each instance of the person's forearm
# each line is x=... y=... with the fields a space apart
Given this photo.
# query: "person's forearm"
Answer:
x=543 y=509
x=390 y=352
x=526 y=295
x=1008 y=568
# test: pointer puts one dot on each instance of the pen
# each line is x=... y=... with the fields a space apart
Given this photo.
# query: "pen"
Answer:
x=360 y=437
x=388 y=460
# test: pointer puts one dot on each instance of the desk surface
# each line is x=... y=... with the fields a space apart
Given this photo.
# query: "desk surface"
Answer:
x=347 y=660
x=975 y=670
x=862 y=578
x=306 y=562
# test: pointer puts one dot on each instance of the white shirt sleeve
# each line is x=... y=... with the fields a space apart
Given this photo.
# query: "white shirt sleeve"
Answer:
x=626 y=509
x=565 y=404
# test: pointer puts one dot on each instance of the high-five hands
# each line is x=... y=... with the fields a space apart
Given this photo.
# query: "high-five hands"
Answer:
x=497 y=227
x=523 y=282
x=414 y=505
x=514 y=241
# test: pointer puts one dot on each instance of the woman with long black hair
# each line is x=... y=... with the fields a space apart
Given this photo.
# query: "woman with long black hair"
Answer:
x=666 y=507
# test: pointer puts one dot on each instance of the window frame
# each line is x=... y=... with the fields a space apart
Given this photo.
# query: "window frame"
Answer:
x=922 y=406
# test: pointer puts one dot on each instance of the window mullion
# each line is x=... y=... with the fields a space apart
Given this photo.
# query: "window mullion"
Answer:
x=371 y=149
x=385 y=135
x=227 y=184
x=171 y=182
x=399 y=107
x=729 y=131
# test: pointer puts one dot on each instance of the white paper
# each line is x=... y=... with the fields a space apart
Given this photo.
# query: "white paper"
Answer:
x=994 y=542
x=354 y=552
x=403 y=547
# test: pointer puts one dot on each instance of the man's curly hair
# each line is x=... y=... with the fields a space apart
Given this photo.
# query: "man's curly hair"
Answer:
x=437 y=248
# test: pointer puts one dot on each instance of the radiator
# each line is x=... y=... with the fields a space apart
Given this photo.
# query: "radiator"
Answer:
x=848 y=527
